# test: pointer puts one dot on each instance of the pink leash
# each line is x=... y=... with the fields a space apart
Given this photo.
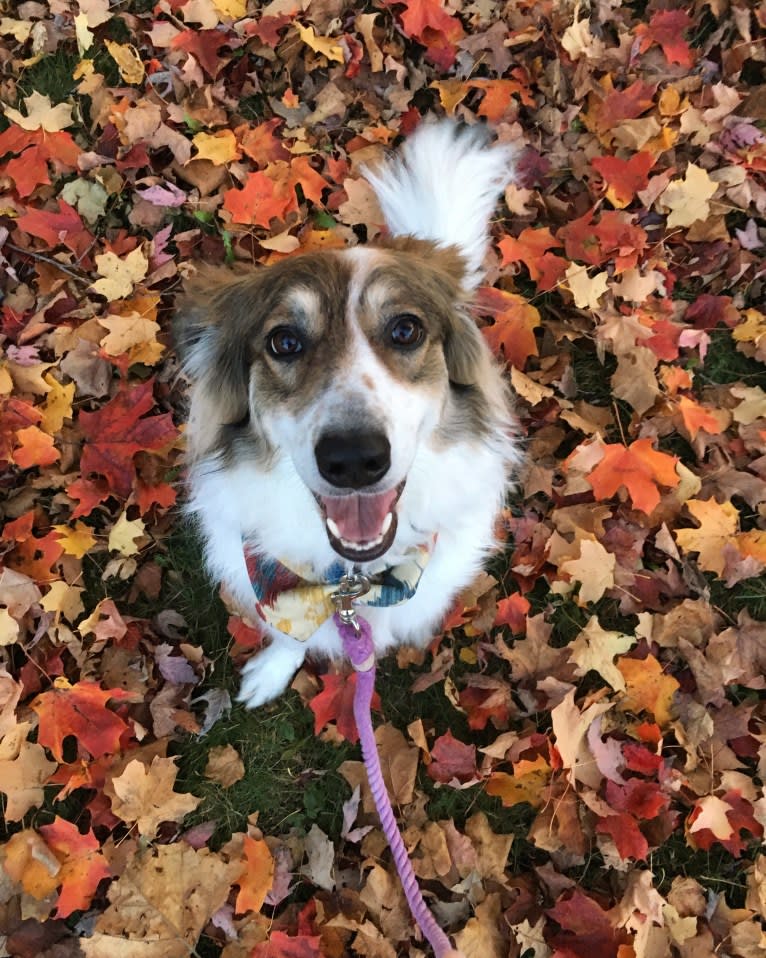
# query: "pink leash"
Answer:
x=358 y=646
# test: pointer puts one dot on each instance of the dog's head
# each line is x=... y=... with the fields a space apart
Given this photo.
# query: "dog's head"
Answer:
x=342 y=361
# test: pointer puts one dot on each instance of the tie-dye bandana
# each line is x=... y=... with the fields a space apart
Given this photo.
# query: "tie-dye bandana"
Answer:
x=293 y=602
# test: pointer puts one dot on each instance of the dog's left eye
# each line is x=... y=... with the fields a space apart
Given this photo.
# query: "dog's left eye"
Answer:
x=284 y=342
x=406 y=331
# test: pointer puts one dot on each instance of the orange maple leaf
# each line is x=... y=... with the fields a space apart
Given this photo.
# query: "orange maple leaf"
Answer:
x=82 y=864
x=260 y=201
x=257 y=878
x=638 y=468
x=647 y=688
x=515 y=320
x=35 y=448
x=532 y=249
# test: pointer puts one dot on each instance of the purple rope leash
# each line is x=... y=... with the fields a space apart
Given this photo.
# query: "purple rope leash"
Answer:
x=357 y=644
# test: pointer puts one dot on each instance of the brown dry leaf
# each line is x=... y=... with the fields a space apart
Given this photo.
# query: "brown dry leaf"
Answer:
x=145 y=795
x=224 y=766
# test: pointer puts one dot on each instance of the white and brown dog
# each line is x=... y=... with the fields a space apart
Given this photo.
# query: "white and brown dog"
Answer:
x=346 y=414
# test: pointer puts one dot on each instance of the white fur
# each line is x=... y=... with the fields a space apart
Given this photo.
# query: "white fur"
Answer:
x=443 y=186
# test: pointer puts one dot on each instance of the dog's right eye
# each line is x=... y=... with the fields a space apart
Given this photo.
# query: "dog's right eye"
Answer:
x=284 y=342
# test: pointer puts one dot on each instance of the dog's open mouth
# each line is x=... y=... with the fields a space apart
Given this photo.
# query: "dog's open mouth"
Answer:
x=361 y=527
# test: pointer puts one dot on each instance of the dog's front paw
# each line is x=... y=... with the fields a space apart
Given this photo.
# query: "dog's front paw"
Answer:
x=267 y=675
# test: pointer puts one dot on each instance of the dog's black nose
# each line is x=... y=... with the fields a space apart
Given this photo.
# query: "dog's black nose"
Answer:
x=353 y=460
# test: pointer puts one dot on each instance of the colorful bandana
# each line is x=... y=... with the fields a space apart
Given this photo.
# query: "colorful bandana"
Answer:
x=293 y=602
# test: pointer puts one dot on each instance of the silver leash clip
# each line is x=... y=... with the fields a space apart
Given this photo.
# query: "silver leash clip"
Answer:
x=350 y=587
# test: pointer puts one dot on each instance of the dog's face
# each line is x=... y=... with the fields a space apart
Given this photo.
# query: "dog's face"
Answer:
x=341 y=361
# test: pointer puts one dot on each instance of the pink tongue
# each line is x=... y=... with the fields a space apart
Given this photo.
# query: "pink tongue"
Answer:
x=359 y=518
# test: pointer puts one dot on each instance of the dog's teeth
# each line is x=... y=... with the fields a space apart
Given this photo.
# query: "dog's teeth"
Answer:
x=332 y=525
x=386 y=524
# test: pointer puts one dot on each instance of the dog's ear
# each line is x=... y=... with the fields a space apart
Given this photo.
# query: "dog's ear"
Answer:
x=465 y=352
x=443 y=185
x=209 y=332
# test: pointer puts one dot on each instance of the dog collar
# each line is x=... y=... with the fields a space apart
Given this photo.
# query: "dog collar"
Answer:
x=292 y=601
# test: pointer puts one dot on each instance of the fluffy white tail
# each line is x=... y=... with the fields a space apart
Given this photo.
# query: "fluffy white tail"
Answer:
x=443 y=185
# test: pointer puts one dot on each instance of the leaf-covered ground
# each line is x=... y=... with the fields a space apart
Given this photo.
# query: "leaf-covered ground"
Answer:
x=578 y=762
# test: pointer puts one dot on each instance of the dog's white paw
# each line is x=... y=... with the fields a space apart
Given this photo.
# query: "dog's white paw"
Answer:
x=267 y=675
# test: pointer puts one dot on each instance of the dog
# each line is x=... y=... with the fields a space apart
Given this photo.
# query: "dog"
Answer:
x=346 y=414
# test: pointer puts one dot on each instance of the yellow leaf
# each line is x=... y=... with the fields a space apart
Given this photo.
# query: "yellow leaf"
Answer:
x=128 y=61
x=595 y=649
x=57 y=406
x=220 y=147
x=120 y=275
x=647 y=688
x=75 y=541
x=28 y=860
x=232 y=9
x=687 y=199
x=123 y=535
x=83 y=33
x=324 y=45
x=41 y=114
x=63 y=599
x=587 y=290
x=593 y=569
x=125 y=332
x=718 y=525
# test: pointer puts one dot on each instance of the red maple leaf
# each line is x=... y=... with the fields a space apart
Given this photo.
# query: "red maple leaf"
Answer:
x=116 y=432
x=204 y=46
x=587 y=931
x=80 y=710
x=626 y=834
x=335 y=703
x=666 y=29
x=64 y=228
x=281 y=945
x=429 y=23
x=643 y=799
x=88 y=495
x=452 y=759
x=740 y=817
x=619 y=105
x=512 y=611
x=615 y=236
x=624 y=177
